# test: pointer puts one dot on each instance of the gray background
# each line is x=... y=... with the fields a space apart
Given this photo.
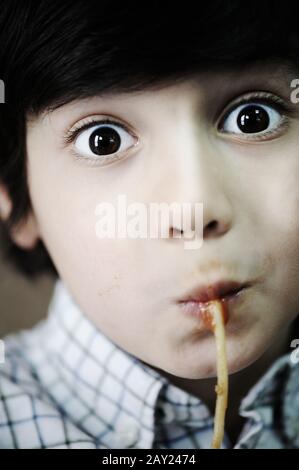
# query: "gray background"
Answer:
x=22 y=302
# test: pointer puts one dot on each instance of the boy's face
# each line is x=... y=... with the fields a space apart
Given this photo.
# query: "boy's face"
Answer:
x=189 y=142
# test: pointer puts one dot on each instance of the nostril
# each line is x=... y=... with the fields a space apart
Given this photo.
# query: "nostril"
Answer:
x=210 y=227
x=175 y=232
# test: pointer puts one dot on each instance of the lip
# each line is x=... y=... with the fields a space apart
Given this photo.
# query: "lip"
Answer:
x=196 y=302
x=219 y=290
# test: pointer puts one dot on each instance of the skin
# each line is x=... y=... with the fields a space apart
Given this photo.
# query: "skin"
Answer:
x=250 y=194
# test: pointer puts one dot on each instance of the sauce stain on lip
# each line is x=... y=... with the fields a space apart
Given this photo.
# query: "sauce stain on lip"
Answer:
x=200 y=310
x=218 y=290
x=207 y=316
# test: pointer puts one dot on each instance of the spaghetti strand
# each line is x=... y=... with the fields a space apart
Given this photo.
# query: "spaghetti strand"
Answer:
x=216 y=323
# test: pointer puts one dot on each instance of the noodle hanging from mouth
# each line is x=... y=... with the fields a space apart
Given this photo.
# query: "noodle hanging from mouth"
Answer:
x=215 y=319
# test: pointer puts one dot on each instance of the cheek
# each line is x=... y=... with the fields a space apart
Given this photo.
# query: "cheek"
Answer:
x=281 y=239
x=102 y=274
x=64 y=205
x=281 y=213
x=272 y=196
x=269 y=208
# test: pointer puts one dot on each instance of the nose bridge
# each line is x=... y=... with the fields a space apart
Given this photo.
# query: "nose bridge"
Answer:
x=200 y=170
x=198 y=174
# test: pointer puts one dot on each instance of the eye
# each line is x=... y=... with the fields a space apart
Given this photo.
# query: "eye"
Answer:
x=254 y=120
x=102 y=141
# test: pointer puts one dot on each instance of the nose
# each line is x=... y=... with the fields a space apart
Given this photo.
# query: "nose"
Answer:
x=217 y=209
x=201 y=177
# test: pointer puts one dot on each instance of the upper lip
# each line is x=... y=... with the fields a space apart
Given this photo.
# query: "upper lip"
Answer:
x=206 y=293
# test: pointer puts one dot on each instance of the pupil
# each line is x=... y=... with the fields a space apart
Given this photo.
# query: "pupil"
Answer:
x=252 y=119
x=104 y=141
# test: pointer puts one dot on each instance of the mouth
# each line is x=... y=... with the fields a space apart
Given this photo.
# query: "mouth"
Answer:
x=222 y=289
x=197 y=300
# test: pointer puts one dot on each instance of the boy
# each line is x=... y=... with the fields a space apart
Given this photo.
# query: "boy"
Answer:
x=161 y=105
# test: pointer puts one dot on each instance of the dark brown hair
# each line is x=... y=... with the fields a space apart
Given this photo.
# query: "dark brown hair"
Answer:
x=53 y=52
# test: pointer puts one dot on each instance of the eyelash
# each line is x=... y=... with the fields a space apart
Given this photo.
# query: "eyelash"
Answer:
x=265 y=98
x=274 y=101
x=72 y=134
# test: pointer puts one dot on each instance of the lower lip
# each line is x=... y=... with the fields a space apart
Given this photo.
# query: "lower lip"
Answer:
x=196 y=309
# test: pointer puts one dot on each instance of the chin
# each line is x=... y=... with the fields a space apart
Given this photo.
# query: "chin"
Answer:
x=240 y=360
x=202 y=364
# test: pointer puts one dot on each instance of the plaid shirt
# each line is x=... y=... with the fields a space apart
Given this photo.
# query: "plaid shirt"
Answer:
x=66 y=385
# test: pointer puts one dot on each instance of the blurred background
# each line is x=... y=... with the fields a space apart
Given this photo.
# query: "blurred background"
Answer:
x=22 y=302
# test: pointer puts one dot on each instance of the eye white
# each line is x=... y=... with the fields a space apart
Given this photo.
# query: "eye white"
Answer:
x=82 y=142
x=230 y=124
